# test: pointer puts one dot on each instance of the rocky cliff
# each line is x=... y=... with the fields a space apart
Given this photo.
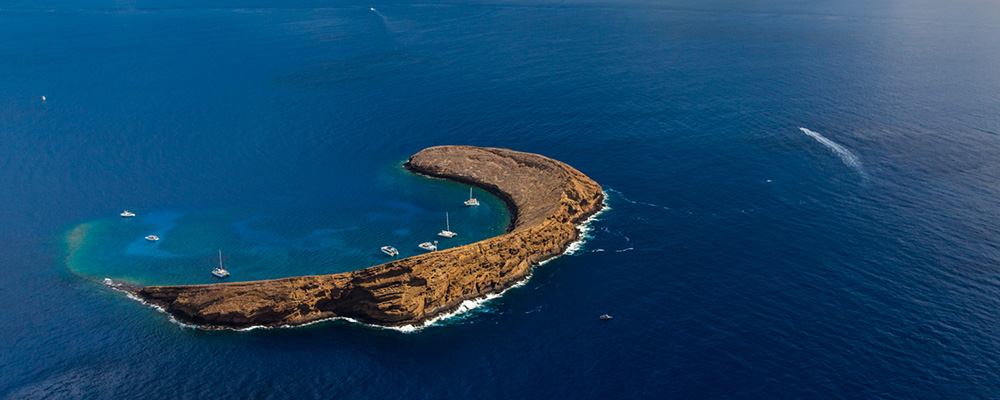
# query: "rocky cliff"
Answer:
x=546 y=198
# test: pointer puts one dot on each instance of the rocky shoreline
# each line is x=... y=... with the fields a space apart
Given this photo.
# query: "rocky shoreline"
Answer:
x=547 y=200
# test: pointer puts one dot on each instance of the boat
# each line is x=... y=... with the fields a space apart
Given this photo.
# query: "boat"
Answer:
x=127 y=214
x=220 y=272
x=152 y=238
x=372 y=8
x=471 y=202
x=606 y=317
x=447 y=233
x=390 y=251
x=428 y=246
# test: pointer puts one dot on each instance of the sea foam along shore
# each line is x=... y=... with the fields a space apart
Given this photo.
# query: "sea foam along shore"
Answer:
x=465 y=307
x=585 y=228
x=129 y=292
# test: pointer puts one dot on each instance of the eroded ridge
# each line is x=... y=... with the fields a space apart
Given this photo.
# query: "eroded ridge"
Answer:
x=547 y=200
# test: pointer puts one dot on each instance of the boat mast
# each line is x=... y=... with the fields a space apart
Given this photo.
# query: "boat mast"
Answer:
x=220 y=258
x=447 y=223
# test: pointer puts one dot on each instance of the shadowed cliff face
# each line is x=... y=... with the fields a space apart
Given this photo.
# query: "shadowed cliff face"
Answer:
x=547 y=199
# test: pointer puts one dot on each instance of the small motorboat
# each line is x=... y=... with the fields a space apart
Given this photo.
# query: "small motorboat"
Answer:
x=428 y=246
x=471 y=202
x=605 y=317
x=127 y=214
x=390 y=251
x=152 y=238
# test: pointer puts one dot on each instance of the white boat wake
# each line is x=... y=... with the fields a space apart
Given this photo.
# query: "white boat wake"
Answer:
x=845 y=155
x=384 y=19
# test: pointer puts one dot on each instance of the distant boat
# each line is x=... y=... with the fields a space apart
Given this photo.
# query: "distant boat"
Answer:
x=373 y=8
x=127 y=214
x=43 y=98
x=606 y=317
x=152 y=238
x=428 y=246
x=471 y=202
x=390 y=251
x=220 y=272
x=447 y=233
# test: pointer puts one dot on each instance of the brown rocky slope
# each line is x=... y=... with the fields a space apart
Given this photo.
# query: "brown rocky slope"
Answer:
x=546 y=198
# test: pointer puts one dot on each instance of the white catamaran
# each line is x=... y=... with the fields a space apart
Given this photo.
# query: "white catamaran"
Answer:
x=220 y=272
x=447 y=233
x=471 y=202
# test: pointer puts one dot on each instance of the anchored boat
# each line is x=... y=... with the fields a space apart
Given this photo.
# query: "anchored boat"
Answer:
x=390 y=251
x=447 y=233
x=471 y=202
x=220 y=272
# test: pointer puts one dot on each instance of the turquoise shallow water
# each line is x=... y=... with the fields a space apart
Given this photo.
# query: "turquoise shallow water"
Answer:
x=274 y=243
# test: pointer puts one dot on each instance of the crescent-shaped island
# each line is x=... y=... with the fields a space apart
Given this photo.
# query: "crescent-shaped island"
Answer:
x=547 y=200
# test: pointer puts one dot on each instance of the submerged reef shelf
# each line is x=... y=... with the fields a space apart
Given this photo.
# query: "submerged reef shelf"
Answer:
x=547 y=199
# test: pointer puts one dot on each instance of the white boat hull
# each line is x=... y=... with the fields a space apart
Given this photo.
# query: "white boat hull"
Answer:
x=428 y=246
x=220 y=272
x=471 y=202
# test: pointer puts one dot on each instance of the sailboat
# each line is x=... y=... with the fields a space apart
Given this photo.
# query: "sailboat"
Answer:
x=220 y=272
x=447 y=233
x=471 y=202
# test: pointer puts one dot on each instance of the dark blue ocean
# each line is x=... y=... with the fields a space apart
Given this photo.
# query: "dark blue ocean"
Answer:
x=741 y=256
